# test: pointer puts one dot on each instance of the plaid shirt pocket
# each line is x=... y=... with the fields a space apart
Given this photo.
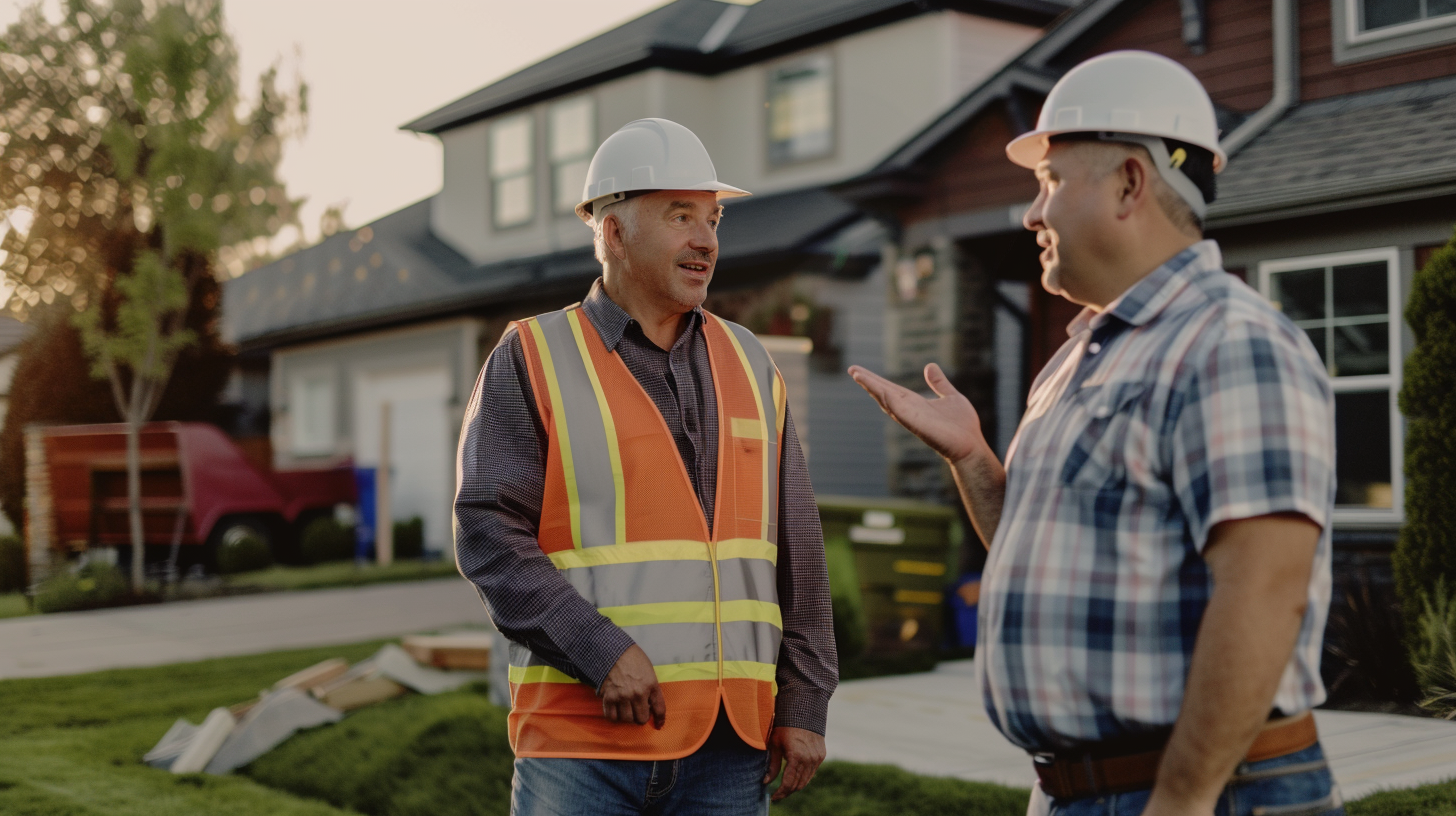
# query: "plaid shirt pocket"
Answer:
x=1107 y=414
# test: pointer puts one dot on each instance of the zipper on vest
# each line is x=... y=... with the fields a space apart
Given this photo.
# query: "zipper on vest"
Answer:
x=717 y=606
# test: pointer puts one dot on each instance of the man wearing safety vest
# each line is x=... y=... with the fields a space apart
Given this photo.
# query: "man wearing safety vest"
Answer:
x=635 y=510
x=1158 y=578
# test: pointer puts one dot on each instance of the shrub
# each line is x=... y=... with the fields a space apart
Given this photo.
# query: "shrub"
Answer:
x=1365 y=659
x=1434 y=655
x=409 y=538
x=94 y=586
x=325 y=539
x=243 y=550
x=1426 y=551
x=851 y=628
x=12 y=564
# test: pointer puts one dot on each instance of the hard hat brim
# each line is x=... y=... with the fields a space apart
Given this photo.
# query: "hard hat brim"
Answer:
x=584 y=209
x=1030 y=148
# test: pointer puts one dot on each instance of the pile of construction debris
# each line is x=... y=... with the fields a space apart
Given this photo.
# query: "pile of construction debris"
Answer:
x=233 y=737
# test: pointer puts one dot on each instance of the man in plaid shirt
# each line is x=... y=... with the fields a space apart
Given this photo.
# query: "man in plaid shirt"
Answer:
x=1155 y=594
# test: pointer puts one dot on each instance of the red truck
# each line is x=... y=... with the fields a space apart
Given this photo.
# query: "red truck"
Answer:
x=197 y=488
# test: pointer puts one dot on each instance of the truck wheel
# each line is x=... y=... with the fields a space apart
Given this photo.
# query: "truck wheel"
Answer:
x=231 y=528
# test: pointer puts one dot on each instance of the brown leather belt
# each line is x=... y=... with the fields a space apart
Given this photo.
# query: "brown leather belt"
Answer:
x=1080 y=775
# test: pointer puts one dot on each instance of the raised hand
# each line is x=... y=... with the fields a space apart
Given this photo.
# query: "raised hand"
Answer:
x=948 y=424
x=631 y=693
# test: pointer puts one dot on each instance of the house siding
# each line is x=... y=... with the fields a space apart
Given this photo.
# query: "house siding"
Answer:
x=1320 y=77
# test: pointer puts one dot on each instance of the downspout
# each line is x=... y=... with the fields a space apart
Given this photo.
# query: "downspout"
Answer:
x=1286 y=79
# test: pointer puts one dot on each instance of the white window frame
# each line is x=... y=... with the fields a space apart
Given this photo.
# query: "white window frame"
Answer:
x=1352 y=44
x=528 y=173
x=559 y=206
x=301 y=440
x=832 y=73
x=1391 y=380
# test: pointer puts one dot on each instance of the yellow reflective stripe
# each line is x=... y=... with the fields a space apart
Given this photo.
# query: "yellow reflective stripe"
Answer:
x=917 y=596
x=620 y=533
x=737 y=669
x=748 y=548
x=781 y=397
x=693 y=612
x=634 y=553
x=762 y=424
x=747 y=428
x=558 y=417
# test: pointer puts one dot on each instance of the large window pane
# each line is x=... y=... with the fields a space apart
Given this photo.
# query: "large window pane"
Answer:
x=510 y=146
x=1381 y=13
x=511 y=170
x=1362 y=449
x=801 y=110
x=569 y=184
x=1300 y=294
x=1362 y=349
x=512 y=202
x=1319 y=337
x=572 y=134
x=1360 y=290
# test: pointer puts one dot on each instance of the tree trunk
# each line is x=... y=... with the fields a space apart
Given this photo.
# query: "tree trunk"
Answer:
x=134 y=504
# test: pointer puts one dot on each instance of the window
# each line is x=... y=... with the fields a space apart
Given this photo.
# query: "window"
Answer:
x=511 y=179
x=1348 y=307
x=573 y=138
x=801 y=110
x=311 y=413
x=1367 y=29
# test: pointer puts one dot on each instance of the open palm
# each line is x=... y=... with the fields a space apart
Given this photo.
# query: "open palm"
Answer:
x=948 y=424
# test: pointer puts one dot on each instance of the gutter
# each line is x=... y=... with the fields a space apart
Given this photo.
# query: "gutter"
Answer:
x=1285 y=38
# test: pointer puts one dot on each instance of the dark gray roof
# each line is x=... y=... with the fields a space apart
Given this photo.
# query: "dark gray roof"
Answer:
x=1336 y=153
x=12 y=333
x=395 y=270
x=676 y=36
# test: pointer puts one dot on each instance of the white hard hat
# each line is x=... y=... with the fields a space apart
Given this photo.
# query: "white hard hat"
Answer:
x=649 y=154
x=1125 y=95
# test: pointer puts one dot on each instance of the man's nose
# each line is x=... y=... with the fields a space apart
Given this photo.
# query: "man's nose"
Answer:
x=704 y=239
x=1031 y=219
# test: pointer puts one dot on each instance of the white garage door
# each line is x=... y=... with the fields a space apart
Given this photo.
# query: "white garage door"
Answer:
x=421 y=445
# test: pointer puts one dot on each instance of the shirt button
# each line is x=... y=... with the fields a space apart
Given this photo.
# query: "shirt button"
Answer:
x=1102 y=412
x=1093 y=348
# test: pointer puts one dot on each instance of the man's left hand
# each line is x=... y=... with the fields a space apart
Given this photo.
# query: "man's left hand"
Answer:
x=798 y=752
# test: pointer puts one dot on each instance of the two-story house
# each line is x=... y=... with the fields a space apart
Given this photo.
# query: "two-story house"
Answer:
x=788 y=96
x=1338 y=116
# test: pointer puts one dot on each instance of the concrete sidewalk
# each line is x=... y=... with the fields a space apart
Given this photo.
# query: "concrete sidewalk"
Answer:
x=933 y=724
x=76 y=642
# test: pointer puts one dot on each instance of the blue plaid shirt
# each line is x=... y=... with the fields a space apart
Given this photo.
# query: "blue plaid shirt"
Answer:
x=1188 y=401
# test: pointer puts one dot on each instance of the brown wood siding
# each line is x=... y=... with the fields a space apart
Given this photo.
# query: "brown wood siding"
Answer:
x=1237 y=68
x=1321 y=78
x=976 y=174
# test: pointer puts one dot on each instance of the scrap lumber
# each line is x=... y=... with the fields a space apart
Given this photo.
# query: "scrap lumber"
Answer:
x=458 y=650
x=360 y=686
x=204 y=743
x=276 y=717
x=398 y=665
x=315 y=675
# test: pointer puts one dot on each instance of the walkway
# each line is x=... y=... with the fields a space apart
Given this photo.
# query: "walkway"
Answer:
x=76 y=642
x=933 y=723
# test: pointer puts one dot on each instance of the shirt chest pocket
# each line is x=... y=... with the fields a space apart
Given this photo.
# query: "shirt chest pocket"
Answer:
x=1103 y=425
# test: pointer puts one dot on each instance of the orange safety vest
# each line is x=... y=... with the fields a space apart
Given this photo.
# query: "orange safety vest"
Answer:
x=621 y=521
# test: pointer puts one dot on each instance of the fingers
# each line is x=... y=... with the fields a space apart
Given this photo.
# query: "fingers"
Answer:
x=882 y=390
x=797 y=773
x=658 y=704
x=938 y=382
x=775 y=761
x=640 y=708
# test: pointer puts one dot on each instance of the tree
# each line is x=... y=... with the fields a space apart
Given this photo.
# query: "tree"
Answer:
x=1426 y=552
x=125 y=135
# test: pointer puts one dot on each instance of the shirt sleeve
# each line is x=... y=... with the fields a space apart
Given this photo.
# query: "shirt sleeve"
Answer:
x=808 y=669
x=1253 y=430
x=500 y=478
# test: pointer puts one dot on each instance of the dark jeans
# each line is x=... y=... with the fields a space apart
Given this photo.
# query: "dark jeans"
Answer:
x=722 y=778
x=1297 y=784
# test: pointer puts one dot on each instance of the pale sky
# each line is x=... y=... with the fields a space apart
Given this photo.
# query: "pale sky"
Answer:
x=373 y=65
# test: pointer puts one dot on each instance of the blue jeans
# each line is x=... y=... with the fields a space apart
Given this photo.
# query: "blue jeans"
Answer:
x=1297 y=784
x=722 y=778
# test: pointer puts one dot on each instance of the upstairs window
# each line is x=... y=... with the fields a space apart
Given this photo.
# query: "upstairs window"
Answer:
x=1348 y=306
x=573 y=137
x=1378 y=14
x=511 y=178
x=312 y=408
x=1370 y=29
x=801 y=110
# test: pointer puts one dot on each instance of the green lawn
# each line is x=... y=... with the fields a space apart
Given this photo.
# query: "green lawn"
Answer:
x=340 y=574
x=13 y=605
x=72 y=746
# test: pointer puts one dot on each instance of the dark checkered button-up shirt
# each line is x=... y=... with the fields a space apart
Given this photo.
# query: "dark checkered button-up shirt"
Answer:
x=501 y=473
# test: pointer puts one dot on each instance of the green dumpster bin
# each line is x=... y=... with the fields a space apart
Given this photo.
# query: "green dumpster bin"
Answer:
x=903 y=554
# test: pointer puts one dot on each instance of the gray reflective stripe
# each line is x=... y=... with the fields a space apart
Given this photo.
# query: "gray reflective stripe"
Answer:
x=751 y=640
x=747 y=579
x=764 y=374
x=595 y=485
x=646 y=582
x=668 y=643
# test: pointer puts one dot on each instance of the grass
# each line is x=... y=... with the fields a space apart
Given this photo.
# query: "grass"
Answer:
x=338 y=574
x=71 y=746
x=13 y=605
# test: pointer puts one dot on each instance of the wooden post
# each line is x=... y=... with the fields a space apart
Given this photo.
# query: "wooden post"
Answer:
x=39 y=517
x=383 y=515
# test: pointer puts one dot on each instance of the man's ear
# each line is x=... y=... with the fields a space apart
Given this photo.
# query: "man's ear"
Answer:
x=1134 y=185
x=612 y=237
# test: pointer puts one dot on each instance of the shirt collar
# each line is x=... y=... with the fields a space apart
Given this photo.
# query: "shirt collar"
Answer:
x=1147 y=298
x=611 y=321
